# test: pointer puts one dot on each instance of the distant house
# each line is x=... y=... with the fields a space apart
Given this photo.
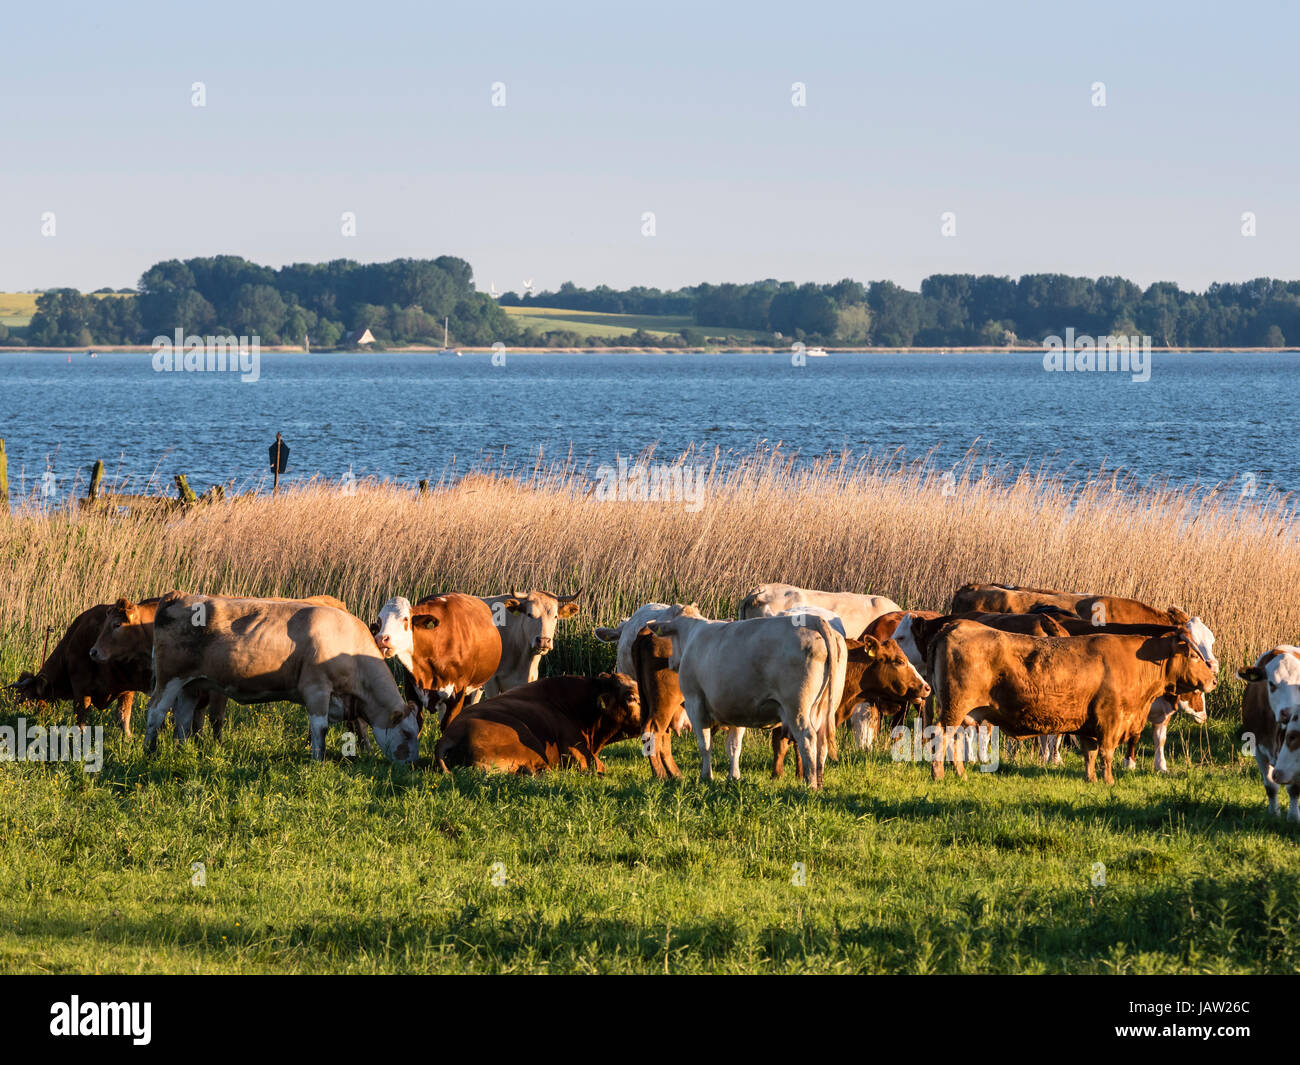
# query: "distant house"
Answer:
x=357 y=337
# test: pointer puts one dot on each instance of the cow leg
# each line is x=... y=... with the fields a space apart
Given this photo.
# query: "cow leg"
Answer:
x=780 y=745
x=1089 y=746
x=735 y=737
x=159 y=703
x=1293 y=811
x=984 y=742
x=183 y=713
x=1130 y=755
x=961 y=744
x=124 y=705
x=695 y=713
x=217 y=713
x=81 y=707
x=862 y=725
x=1160 y=733
x=665 y=748
x=1107 y=758
x=938 y=749
x=317 y=701
x=805 y=738
x=1270 y=787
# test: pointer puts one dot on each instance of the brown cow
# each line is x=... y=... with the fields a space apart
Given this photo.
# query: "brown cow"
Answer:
x=546 y=724
x=1112 y=610
x=70 y=673
x=1100 y=687
x=448 y=645
x=915 y=634
x=876 y=671
x=662 y=706
x=1008 y=599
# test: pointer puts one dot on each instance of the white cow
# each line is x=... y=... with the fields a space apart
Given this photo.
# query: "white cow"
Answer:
x=626 y=632
x=857 y=611
x=1270 y=712
x=526 y=623
x=756 y=673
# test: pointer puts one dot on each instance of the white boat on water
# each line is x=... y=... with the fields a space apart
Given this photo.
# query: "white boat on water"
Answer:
x=816 y=353
x=446 y=350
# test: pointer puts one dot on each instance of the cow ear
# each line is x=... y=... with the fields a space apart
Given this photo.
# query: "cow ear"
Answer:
x=602 y=700
x=568 y=610
x=123 y=605
x=1254 y=673
x=374 y=628
x=426 y=621
x=512 y=604
x=870 y=646
x=852 y=644
x=399 y=716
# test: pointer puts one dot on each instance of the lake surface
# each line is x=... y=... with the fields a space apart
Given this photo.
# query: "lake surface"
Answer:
x=1201 y=418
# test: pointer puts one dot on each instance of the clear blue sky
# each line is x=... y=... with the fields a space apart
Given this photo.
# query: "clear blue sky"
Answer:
x=683 y=109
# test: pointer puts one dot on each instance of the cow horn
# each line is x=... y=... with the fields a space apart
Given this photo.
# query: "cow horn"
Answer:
x=569 y=598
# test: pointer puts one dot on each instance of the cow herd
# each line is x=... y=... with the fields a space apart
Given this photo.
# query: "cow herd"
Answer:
x=1032 y=663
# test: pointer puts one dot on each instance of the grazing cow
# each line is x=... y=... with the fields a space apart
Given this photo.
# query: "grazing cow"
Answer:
x=662 y=706
x=755 y=673
x=271 y=650
x=857 y=611
x=1008 y=599
x=626 y=631
x=876 y=671
x=447 y=644
x=1192 y=704
x=1100 y=687
x=526 y=624
x=545 y=724
x=1110 y=610
x=71 y=673
x=867 y=718
x=1270 y=714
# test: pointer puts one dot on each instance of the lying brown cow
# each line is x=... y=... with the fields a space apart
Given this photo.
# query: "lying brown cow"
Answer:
x=551 y=723
x=1008 y=599
x=876 y=671
x=1100 y=687
x=662 y=708
x=70 y=673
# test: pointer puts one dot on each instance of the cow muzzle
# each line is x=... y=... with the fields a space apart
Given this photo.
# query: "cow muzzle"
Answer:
x=542 y=645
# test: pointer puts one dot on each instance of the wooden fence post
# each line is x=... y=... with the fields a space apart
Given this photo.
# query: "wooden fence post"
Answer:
x=188 y=498
x=92 y=492
x=424 y=487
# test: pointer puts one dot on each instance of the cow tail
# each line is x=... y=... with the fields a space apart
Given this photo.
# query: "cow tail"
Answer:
x=827 y=692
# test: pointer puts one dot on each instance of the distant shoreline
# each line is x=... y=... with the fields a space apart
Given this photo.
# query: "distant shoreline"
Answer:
x=294 y=349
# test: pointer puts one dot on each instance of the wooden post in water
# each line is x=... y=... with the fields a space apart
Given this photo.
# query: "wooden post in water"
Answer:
x=188 y=498
x=96 y=475
x=4 y=477
x=424 y=487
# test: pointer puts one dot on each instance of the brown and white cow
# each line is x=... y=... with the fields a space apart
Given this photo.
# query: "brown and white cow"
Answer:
x=1100 y=687
x=273 y=650
x=756 y=673
x=857 y=611
x=1008 y=599
x=626 y=631
x=1192 y=704
x=876 y=672
x=70 y=673
x=1270 y=716
x=526 y=623
x=546 y=724
x=447 y=644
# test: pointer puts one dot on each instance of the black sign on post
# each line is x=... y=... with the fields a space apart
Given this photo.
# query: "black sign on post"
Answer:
x=279 y=461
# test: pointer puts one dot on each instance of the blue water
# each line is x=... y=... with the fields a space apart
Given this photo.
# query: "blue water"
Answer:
x=1201 y=418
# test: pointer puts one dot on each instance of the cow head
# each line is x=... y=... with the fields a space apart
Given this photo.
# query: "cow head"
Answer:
x=619 y=704
x=1279 y=669
x=537 y=614
x=122 y=635
x=33 y=686
x=1189 y=670
x=1198 y=632
x=1192 y=704
x=889 y=675
x=400 y=741
x=392 y=631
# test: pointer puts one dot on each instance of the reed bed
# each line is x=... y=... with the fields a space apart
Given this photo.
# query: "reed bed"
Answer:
x=906 y=530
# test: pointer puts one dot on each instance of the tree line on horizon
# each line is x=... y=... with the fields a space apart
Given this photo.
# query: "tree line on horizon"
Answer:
x=405 y=301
